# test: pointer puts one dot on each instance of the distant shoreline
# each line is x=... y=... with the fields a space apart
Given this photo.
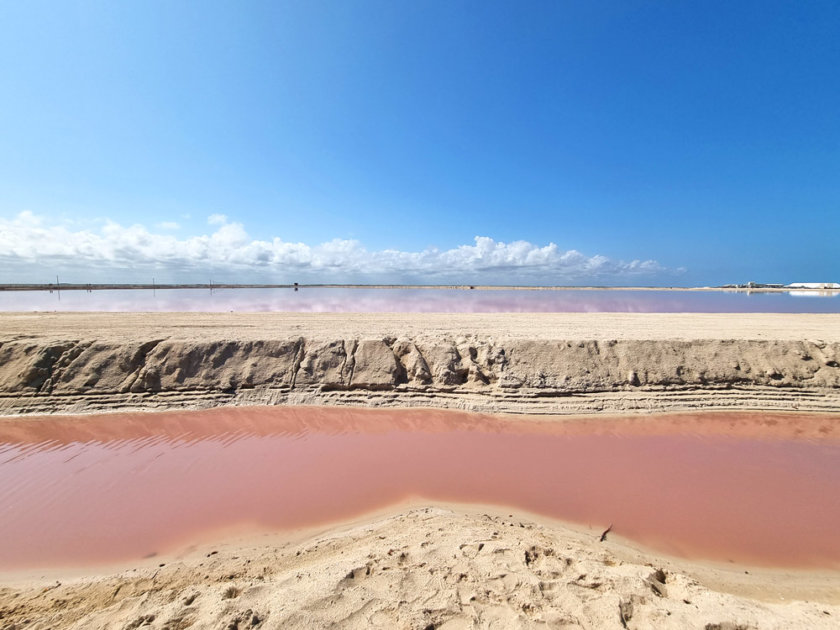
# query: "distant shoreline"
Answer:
x=452 y=287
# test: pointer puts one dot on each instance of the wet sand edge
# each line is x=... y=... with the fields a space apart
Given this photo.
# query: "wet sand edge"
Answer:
x=456 y=543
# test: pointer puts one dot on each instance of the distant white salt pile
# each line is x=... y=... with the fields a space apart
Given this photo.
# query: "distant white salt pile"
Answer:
x=814 y=285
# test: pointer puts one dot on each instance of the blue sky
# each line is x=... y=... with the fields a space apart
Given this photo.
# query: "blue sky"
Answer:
x=663 y=143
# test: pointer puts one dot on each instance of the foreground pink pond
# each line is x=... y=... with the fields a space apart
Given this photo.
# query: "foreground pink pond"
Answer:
x=749 y=488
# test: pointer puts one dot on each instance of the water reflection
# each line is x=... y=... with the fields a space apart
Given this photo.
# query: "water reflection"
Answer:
x=416 y=301
x=826 y=293
x=753 y=488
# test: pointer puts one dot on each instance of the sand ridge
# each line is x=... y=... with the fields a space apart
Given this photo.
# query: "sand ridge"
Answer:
x=541 y=326
x=423 y=567
x=542 y=364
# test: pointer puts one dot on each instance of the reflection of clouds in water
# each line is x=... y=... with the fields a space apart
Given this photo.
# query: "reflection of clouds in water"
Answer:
x=410 y=301
x=814 y=293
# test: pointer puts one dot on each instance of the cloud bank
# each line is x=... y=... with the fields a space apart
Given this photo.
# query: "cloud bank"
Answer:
x=33 y=249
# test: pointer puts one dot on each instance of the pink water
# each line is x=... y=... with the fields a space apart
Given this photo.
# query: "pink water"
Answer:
x=750 y=488
x=406 y=300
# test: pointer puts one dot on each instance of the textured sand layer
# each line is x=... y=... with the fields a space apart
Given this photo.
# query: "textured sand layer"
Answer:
x=519 y=363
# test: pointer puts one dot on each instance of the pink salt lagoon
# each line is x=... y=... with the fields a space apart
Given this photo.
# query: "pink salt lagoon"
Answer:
x=415 y=300
x=752 y=488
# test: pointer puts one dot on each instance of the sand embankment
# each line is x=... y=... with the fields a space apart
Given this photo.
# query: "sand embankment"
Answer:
x=518 y=363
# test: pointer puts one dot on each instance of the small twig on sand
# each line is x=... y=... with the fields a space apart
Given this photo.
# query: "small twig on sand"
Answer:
x=606 y=531
x=625 y=612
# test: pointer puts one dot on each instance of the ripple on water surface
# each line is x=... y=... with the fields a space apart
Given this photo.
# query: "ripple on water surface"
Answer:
x=746 y=487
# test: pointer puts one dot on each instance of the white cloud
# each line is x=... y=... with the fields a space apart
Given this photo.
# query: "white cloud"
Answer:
x=217 y=219
x=27 y=218
x=31 y=247
x=168 y=225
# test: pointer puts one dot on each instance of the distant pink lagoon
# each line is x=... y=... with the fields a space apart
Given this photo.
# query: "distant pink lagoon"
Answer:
x=751 y=488
x=364 y=300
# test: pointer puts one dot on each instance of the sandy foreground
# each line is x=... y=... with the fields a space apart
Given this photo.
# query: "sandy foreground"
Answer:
x=417 y=566
x=423 y=567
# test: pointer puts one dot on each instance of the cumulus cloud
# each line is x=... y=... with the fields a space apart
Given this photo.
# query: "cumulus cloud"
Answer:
x=32 y=248
x=168 y=225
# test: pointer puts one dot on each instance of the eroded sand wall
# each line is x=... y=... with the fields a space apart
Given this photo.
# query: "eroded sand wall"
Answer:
x=481 y=373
